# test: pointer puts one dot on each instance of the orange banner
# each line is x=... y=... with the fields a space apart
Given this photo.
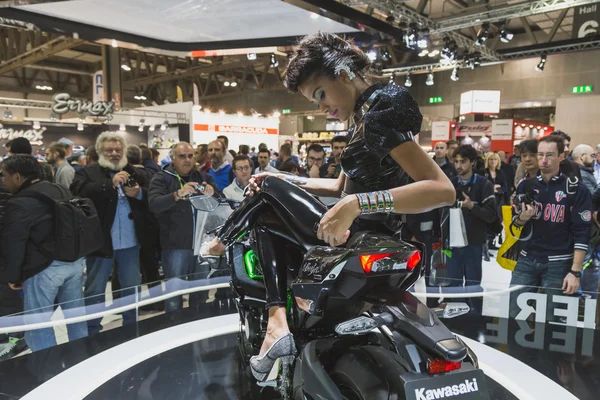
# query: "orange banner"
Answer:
x=236 y=129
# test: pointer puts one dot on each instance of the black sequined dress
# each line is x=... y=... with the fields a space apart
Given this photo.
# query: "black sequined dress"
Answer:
x=384 y=117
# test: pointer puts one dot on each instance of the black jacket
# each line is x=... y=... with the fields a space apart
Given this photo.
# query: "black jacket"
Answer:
x=448 y=168
x=481 y=192
x=176 y=218
x=509 y=173
x=95 y=183
x=502 y=194
x=29 y=226
x=151 y=166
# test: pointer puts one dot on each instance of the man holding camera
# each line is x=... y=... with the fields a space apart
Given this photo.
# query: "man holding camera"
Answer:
x=555 y=213
x=169 y=190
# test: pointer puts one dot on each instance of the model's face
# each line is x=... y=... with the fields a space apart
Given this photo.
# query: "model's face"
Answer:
x=440 y=150
x=548 y=158
x=243 y=172
x=183 y=159
x=463 y=165
x=335 y=97
x=263 y=159
x=215 y=152
x=337 y=148
x=529 y=160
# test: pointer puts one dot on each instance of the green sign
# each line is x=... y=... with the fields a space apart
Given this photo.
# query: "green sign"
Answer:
x=435 y=100
x=286 y=111
x=582 y=89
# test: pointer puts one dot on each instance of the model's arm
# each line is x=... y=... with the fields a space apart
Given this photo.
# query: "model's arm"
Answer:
x=318 y=186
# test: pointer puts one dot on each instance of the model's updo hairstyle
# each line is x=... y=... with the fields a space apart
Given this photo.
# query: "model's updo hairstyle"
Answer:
x=318 y=55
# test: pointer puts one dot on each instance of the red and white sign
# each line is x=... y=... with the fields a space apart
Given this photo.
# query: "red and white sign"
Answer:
x=474 y=128
x=440 y=131
x=502 y=129
x=480 y=102
x=236 y=129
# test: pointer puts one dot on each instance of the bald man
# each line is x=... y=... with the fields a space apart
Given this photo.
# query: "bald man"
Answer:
x=168 y=200
x=441 y=159
x=584 y=156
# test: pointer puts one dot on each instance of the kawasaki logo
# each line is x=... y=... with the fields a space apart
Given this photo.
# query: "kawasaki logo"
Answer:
x=447 y=391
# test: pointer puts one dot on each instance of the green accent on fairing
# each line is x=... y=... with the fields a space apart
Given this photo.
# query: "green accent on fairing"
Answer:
x=448 y=253
x=241 y=236
x=250 y=263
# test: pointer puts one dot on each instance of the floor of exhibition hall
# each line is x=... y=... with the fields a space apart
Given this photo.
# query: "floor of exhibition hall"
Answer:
x=192 y=354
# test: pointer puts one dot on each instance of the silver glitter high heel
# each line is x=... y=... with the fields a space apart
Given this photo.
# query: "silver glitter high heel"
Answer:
x=266 y=367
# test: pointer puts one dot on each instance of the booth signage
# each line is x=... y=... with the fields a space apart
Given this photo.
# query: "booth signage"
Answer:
x=63 y=103
x=474 y=128
x=236 y=129
x=480 y=102
x=98 y=86
x=502 y=129
x=440 y=130
x=35 y=136
x=433 y=100
x=582 y=89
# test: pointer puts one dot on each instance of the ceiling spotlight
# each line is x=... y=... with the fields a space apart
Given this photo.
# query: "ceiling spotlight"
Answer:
x=276 y=114
x=541 y=64
x=80 y=126
x=385 y=56
x=473 y=60
x=449 y=52
x=114 y=43
x=483 y=34
x=429 y=81
x=423 y=53
x=226 y=83
x=125 y=67
x=408 y=81
x=505 y=36
x=122 y=127
x=52 y=117
x=36 y=125
x=233 y=84
x=454 y=75
x=434 y=53
x=251 y=56
x=390 y=18
x=392 y=79
x=152 y=128
x=423 y=42
x=372 y=54
x=141 y=128
x=310 y=117
x=8 y=114
x=164 y=125
x=273 y=61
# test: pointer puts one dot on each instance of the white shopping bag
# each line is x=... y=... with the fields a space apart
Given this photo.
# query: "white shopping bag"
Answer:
x=458 y=232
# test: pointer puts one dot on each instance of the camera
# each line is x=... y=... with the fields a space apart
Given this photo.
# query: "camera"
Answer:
x=528 y=197
x=131 y=182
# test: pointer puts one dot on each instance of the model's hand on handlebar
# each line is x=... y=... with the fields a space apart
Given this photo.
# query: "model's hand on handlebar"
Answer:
x=335 y=224
x=257 y=180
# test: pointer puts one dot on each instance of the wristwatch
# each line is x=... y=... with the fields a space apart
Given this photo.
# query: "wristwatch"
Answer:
x=577 y=274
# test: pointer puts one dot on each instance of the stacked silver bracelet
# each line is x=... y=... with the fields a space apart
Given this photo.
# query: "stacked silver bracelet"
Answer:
x=375 y=202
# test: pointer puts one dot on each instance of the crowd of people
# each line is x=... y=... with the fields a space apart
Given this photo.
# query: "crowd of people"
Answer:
x=148 y=225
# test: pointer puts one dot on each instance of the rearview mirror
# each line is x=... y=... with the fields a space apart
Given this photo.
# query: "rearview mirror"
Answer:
x=452 y=310
x=204 y=203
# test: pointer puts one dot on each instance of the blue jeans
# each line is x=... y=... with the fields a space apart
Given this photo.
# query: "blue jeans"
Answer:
x=60 y=283
x=182 y=264
x=534 y=273
x=466 y=263
x=98 y=272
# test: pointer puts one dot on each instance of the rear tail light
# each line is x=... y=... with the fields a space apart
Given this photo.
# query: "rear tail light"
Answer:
x=439 y=366
x=389 y=262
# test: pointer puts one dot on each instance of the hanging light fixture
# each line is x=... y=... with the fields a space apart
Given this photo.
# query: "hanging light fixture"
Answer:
x=454 y=75
x=392 y=79
x=122 y=127
x=408 y=81
x=152 y=128
x=8 y=114
x=372 y=54
x=80 y=126
x=53 y=117
x=251 y=56
x=505 y=35
x=233 y=84
x=125 y=67
x=36 y=125
x=141 y=126
x=483 y=34
x=273 y=61
x=226 y=83
x=541 y=64
x=164 y=125
x=429 y=81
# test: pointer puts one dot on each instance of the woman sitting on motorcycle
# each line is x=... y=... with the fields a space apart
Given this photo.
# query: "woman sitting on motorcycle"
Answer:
x=331 y=72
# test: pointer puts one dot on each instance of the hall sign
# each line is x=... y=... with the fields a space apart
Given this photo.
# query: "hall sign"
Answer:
x=35 y=136
x=62 y=103
x=236 y=129
x=582 y=89
x=586 y=21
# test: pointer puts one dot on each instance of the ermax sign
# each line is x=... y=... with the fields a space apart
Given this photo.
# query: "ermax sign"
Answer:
x=63 y=103
x=35 y=136
x=449 y=391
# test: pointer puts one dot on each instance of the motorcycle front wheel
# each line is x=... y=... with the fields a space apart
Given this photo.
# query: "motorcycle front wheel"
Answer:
x=369 y=372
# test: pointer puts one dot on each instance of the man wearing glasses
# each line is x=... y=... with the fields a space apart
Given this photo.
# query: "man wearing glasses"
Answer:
x=314 y=161
x=242 y=168
x=168 y=198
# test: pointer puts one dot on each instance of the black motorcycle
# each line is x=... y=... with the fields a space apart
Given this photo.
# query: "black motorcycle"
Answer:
x=359 y=332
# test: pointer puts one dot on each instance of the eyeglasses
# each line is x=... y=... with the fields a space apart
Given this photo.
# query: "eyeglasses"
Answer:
x=240 y=169
x=110 y=151
x=315 y=159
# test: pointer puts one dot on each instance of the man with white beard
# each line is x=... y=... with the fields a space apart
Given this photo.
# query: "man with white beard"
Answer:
x=111 y=185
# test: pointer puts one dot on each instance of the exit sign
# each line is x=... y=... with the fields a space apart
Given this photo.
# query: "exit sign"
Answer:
x=286 y=111
x=582 y=89
x=435 y=100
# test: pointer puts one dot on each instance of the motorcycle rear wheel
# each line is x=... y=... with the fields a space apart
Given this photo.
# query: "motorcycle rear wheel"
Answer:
x=369 y=373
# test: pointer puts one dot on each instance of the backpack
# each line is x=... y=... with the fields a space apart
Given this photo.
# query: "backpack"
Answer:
x=77 y=229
